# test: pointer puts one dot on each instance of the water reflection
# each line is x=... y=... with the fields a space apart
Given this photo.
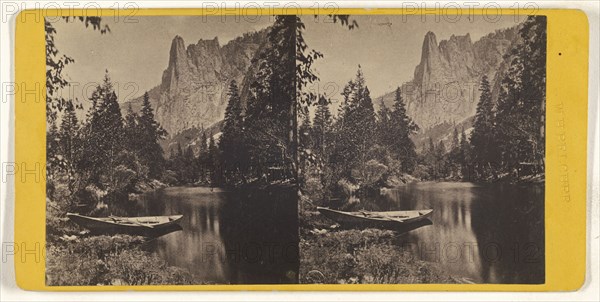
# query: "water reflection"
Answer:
x=492 y=233
x=229 y=237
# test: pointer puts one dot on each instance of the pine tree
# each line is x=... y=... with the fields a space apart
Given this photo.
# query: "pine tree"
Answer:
x=356 y=126
x=189 y=165
x=322 y=127
x=431 y=145
x=203 y=143
x=454 y=154
x=214 y=160
x=151 y=132
x=132 y=131
x=305 y=133
x=455 y=139
x=483 y=127
x=271 y=113
x=465 y=154
x=431 y=159
x=53 y=162
x=385 y=128
x=69 y=144
x=521 y=103
x=69 y=129
x=232 y=143
x=103 y=137
x=202 y=162
x=179 y=150
x=534 y=84
x=441 y=158
x=403 y=127
x=306 y=136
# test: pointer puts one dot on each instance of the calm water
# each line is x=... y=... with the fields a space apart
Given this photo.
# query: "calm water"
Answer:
x=232 y=238
x=491 y=233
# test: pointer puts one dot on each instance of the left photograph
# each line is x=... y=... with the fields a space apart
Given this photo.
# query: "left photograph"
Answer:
x=171 y=150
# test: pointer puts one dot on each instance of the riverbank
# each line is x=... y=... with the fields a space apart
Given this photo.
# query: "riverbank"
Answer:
x=330 y=255
x=76 y=258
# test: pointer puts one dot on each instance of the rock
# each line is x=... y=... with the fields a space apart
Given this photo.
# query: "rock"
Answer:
x=319 y=231
x=68 y=237
x=446 y=80
x=193 y=90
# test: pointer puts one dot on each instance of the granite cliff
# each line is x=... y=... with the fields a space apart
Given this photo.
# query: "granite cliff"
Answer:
x=445 y=86
x=193 y=90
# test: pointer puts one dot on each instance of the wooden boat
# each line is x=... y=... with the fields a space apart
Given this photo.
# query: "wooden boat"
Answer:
x=147 y=225
x=386 y=220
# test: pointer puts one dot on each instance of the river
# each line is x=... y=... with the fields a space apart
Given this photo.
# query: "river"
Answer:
x=488 y=233
x=243 y=237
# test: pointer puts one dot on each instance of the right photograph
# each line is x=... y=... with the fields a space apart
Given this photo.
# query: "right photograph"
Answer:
x=421 y=149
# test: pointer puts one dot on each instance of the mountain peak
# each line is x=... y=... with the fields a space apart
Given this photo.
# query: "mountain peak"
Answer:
x=177 y=42
x=192 y=91
x=209 y=42
x=464 y=41
x=430 y=57
x=177 y=54
x=441 y=88
x=430 y=46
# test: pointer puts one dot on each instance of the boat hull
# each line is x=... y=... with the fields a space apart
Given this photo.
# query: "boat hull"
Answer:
x=146 y=226
x=385 y=220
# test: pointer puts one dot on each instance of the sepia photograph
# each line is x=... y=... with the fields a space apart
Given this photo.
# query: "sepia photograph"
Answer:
x=422 y=153
x=295 y=149
x=170 y=150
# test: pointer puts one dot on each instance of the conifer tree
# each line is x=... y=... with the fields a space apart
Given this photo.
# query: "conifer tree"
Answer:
x=189 y=165
x=151 y=132
x=455 y=139
x=69 y=139
x=232 y=143
x=305 y=133
x=441 y=158
x=385 y=128
x=403 y=127
x=214 y=160
x=202 y=160
x=521 y=104
x=179 y=150
x=69 y=130
x=103 y=136
x=483 y=127
x=465 y=154
x=132 y=131
x=322 y=127
x=356 y=127
x=271 y=113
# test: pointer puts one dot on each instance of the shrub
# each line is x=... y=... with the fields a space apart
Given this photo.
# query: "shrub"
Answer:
x=368 y=256
x=106 y=260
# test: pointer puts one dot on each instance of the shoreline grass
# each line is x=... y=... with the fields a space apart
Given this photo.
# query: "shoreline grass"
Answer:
x=108 y=260
x=329 y=255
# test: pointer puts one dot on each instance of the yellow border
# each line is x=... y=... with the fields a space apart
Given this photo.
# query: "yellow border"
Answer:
x=567 y=83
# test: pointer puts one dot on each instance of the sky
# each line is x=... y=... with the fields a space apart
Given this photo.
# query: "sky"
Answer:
x=388 y=48
x=137 y=52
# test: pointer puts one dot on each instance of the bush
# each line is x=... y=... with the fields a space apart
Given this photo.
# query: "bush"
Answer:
x=368 y=256
x=106 y=260
x=372 y=172
x=170 y=178
x=421 y=172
